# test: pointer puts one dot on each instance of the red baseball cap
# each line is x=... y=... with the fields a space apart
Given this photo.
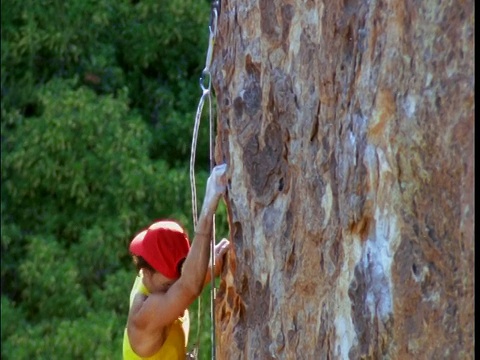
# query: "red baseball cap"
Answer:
x=164 y=244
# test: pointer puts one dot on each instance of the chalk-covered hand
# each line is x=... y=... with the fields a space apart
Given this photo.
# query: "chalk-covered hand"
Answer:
x=217 y=181
x=216 y=186
x=220 y=249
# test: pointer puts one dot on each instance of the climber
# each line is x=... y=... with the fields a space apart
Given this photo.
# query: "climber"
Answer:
x=171 y=276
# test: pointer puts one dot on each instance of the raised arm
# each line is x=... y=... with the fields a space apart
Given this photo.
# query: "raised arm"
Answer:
x=161 y=309
x=196 y=265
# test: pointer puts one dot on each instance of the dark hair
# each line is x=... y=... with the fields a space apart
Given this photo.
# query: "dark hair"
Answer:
x=141 y=263
x=180 y=266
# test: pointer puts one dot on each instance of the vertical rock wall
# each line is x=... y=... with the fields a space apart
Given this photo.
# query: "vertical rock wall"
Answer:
x=348 y=127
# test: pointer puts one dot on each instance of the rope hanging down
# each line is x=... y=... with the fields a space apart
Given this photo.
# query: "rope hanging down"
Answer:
x=205 y=85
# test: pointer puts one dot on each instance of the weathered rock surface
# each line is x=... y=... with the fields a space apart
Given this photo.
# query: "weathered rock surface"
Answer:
x=349 y=130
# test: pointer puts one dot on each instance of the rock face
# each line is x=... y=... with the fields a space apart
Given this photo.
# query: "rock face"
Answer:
x=349 y=130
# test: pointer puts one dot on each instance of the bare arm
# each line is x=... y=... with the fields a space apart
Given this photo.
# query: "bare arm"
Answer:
x=159 y=310
x=196 y=265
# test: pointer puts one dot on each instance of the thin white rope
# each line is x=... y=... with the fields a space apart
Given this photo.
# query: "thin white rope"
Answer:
x=212 y=243
x=213 y=33
x=206 y=95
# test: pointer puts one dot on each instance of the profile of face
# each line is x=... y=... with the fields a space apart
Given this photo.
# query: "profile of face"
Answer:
x=157 y=282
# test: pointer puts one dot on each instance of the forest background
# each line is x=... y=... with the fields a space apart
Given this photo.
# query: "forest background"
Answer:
x=98 y=100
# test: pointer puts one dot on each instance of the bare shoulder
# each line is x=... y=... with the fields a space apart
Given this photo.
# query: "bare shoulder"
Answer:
x=137 y=303
x=144 y=333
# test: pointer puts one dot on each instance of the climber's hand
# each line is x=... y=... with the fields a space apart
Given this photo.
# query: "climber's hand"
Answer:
x=218 y=179
x=220 y=249
x=216 y=185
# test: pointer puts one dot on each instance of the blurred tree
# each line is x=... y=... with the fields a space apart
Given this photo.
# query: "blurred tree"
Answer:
x=154 y=48
x=97 y=108
x=83 y=157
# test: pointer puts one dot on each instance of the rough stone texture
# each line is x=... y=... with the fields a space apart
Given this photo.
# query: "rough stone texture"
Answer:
x=349 y=130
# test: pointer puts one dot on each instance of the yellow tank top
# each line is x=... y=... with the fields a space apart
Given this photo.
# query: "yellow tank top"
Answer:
x=174 y=346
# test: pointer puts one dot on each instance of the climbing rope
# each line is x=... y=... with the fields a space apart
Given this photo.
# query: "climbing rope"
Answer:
x=205 y=85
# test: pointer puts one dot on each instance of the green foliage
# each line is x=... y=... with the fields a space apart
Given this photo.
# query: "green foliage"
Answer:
x=85 y=155
x=12 y=318
x=98 y=103
x=204 y=337
x=155 y=49
x=57 y=276
x=95 y=336
x=112 y=294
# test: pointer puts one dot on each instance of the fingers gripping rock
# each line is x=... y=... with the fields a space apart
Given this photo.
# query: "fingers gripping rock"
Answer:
x=218 y=179
x=216 y=185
